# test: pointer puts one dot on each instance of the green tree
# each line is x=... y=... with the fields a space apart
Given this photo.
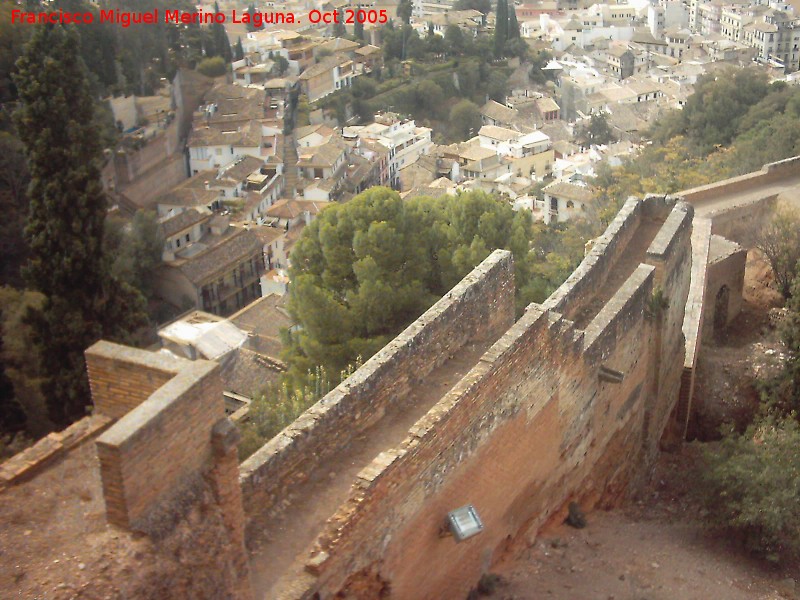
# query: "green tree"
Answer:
x=136 y=248
x=779 y=240
x=66 y=221
x=513 y=24
x=222 y=45
x=597 y=131
x=500 y=28
x=791 y=337
x=454 y=40
x=404 y=10
x=14 y=178
x=303 y=111
x=281 y=64
x=465 y=120
x=212 y=67
x=482 y=6
x=238 y=50
x=251 y=9
x=750 y=484
x=358 y=29
x=365 y=269
x=339 y=30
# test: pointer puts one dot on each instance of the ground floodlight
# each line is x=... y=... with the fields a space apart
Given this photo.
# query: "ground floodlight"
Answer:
x=464 y=522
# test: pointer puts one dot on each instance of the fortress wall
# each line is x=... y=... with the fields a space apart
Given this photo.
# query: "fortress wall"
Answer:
x=769 y=173
x=121 y=377
x=153 y=456
x=591 y=274
x=480 y=306
x=528 y=429
x=693 y=321
x=743 y=222
x=671 y=254
x=725 y=270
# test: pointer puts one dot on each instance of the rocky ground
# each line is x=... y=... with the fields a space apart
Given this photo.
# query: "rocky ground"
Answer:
x=656 y=548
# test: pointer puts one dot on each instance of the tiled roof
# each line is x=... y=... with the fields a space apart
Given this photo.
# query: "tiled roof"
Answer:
x=182 y=221
x=288 y=208
x=219 y=258
x=326 y=65
x=497 y=112
x=325 y=155
x=569 y=191
x=247 y=135
x=239 y=170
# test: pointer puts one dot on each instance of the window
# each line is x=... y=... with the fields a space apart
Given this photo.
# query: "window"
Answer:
x=178 y=242
x=188 y=238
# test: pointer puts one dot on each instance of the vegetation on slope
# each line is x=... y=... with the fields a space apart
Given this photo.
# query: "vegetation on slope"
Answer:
x=733 y=124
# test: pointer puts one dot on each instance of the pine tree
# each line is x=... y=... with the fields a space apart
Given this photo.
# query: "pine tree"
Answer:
x=238 y=50
x=66 y=221
x=500 y=28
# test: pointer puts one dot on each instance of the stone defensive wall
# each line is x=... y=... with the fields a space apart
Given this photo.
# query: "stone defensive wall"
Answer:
x=550 y=414
x=694 y=317
x=591 y=274
x=769 y=173
x=170 y=445
x=736 y=206
x=481 y=305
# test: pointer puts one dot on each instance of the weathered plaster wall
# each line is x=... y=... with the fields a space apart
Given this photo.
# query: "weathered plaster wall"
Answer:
x=481 y=305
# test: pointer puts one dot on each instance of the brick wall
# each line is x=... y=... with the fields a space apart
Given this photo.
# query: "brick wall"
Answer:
x=121 y=378
x=158 y=451
x=482 y=304
x=591 y=274
x=533 y=426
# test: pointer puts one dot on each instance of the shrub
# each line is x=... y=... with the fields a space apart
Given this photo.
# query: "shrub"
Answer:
x=750 y=485
x=212 y=67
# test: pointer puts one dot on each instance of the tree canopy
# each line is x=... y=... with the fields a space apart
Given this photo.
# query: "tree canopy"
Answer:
x=365 y=269
x=83 y=302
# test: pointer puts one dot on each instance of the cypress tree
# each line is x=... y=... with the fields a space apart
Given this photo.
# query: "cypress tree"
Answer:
x=500 y=28
x=513 y=24
x=221 y=42
x=65 y=224
x=238 y=50
x=358 y=30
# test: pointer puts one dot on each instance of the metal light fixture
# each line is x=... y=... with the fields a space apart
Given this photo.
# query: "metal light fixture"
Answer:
x=464 y=522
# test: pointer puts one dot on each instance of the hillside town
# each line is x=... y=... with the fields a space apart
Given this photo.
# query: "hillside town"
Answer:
x=263 y=276
x=240 y=164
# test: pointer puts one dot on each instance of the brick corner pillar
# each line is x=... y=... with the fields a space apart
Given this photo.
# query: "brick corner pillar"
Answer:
x=228 y=494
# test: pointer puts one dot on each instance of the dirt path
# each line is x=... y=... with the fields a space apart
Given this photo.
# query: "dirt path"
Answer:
x=655 y=549
x=329 y=486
